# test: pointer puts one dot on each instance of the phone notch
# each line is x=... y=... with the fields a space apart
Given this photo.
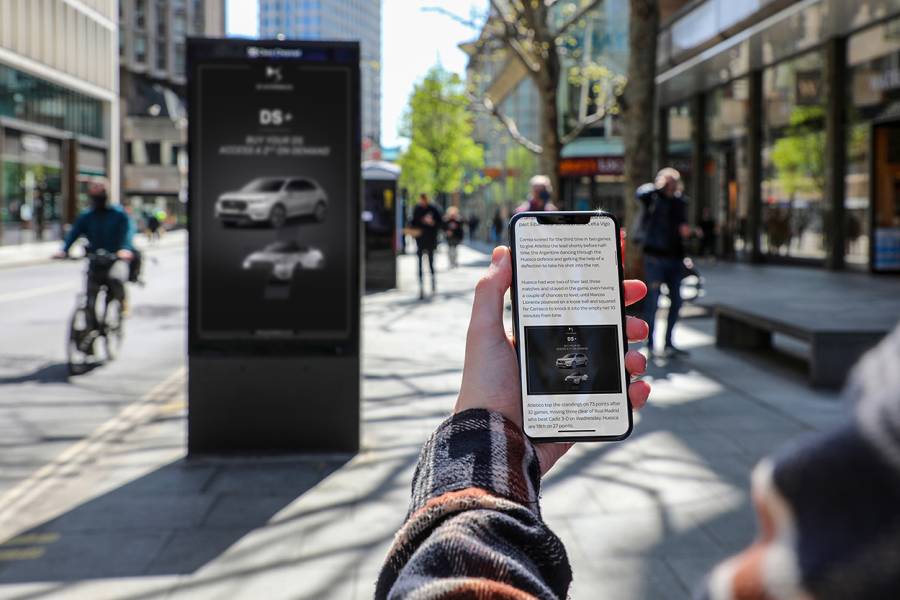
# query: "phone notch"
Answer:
x=565 y=219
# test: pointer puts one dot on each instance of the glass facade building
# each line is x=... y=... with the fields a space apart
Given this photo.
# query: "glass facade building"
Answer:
x=351 y=20
x=794 y=120
x=58 y=112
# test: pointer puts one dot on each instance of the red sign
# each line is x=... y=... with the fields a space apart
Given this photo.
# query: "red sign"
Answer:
x=601 y=165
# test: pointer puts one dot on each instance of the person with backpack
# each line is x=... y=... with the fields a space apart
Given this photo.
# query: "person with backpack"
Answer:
x=661 y=232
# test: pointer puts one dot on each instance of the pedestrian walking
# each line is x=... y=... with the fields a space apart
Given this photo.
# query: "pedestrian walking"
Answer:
x=473 y=226
x=453 y=231
x=497 y=227
x=827 y=506
x=539 y=198
x=662 y=230
x=425 y=224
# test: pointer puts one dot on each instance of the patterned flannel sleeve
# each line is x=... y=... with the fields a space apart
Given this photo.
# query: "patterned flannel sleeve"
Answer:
x=474 y=528
x=829 y=507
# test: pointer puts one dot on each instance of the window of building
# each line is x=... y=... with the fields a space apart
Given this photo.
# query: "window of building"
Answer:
x=680 y=141
x=179 y=58
x=31 y=99
x=140 y=48
x=154 y=153
x=161 y=18
x=726 y=184
x=794 y=214
x=161 y=55
x=873 y=91
x=140 y=14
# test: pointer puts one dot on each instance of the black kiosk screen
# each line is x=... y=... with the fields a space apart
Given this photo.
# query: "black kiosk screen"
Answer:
x=273 y=187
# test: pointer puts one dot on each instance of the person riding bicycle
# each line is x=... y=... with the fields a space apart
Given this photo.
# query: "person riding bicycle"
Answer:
x=107 y=228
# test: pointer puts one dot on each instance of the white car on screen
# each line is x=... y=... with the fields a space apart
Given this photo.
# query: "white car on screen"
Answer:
x=576 y=378
x=284 y=259
x=272 y=200
x=570 y=361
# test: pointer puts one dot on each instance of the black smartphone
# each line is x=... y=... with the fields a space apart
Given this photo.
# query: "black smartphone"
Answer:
x=569 y=322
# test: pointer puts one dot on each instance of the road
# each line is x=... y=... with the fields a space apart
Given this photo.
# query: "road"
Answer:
x=42 y=410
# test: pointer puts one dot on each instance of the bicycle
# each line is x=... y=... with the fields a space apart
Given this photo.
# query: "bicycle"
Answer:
x=87 y=330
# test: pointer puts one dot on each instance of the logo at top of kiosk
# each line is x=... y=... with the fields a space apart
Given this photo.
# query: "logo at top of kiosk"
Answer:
x=260 y=52
x=274 y=76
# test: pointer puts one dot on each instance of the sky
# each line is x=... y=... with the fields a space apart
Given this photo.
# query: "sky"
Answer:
x=412 y=40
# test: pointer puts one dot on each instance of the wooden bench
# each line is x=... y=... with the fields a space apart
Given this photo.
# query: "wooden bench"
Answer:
x=835 y=344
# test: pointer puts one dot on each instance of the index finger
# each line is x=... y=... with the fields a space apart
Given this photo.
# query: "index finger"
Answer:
x=635 y=290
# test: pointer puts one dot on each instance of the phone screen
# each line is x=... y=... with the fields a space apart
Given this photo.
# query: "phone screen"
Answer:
x=569 y=326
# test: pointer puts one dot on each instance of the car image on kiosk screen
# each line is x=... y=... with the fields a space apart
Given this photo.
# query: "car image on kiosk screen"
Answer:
x=569 y=321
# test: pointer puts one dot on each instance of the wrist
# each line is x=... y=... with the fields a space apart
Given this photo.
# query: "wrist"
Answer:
x=478 y=448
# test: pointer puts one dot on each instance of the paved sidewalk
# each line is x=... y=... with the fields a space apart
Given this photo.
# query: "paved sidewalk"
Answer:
x=35 y=253
x=121 y=515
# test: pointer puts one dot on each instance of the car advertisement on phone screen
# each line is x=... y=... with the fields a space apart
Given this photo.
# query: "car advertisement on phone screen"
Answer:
x=274 y=176
x=570 y=324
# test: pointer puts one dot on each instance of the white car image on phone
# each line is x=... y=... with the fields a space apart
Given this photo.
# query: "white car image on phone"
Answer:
x=570 y=361
x=576 y=378
x=272 y=200
x=284 y=259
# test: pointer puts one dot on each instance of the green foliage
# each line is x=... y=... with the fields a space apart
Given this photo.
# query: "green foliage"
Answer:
x=799 y=156
x=520 y=166
x=441 y=157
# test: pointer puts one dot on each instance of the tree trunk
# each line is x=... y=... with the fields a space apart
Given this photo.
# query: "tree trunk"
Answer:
x=639 y=110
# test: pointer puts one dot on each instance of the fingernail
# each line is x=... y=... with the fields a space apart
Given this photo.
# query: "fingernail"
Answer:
x=496 y=256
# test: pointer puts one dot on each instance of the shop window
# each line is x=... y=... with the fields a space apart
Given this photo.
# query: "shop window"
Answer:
x=680 y=145
x=794 y=216
x=724 y=217
x=873 y=74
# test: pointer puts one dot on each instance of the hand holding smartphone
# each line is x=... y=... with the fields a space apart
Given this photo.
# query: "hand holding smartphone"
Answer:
x=569 y=319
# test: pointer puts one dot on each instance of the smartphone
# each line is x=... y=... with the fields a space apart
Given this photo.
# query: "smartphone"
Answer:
x=569 y=322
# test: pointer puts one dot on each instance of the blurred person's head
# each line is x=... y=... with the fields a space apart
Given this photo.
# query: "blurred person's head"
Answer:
x=541 y=188
x=97 y=194
x=668 y=181
x=423 y=199
x=452 y=212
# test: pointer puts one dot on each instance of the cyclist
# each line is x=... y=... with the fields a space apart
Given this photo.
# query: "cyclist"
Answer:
x=107 y=227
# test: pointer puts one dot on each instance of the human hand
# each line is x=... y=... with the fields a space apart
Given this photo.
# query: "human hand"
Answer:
x=491 y=372
x=125 y=255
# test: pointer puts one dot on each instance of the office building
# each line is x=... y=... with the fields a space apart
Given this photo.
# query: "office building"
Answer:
x=58 y=111
x=152 y=50
x=785 y=118
x=345 y=20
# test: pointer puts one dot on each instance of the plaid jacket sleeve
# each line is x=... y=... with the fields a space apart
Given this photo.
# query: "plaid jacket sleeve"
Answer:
x=474 y=528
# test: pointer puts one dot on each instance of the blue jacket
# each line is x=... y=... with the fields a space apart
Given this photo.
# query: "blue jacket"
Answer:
x=662 y=218
x=109 y=229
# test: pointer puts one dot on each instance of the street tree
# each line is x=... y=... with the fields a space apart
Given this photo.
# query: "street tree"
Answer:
x=442 y=157
x=536 y=34
x=638 y=105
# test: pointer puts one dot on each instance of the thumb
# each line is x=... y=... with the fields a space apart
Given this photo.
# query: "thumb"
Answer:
x=487 y=309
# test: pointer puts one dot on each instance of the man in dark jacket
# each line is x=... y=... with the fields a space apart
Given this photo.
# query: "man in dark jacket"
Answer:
x=663 y=228
x=427 y=221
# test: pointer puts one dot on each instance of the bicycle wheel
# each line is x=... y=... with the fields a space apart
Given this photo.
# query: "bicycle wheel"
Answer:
x=79 y=347
x=112 y=328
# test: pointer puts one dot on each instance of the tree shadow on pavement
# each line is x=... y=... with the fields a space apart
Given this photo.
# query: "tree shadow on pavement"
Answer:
x=673 y=500
x=173 y=520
